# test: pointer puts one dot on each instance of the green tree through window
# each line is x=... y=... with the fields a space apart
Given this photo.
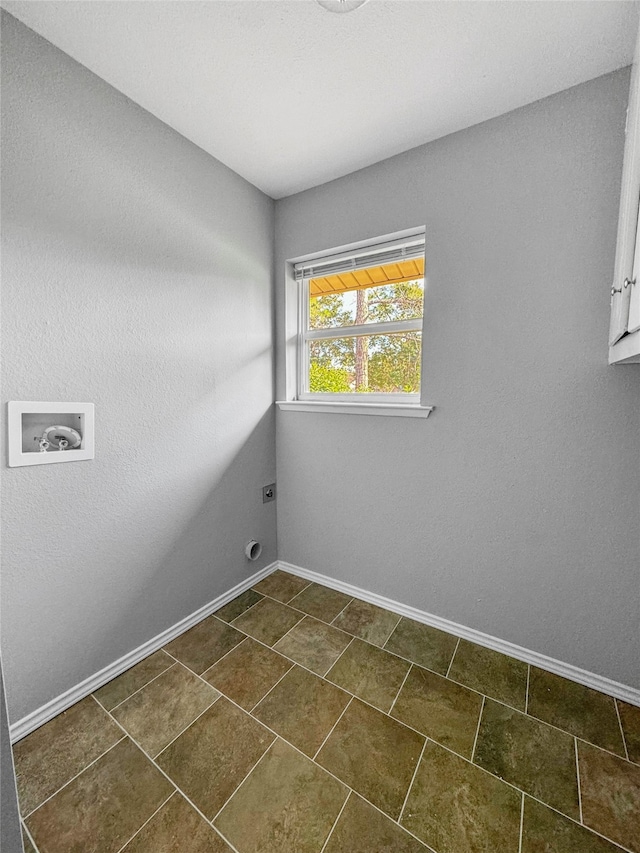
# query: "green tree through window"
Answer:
x=376 y=363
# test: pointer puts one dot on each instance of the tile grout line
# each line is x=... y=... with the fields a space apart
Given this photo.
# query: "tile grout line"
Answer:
x=413 y=779
x=451 y=661
x=324 y=678
x=341 y=781
x=331 y=666
x=440 y=675
x=241 y=783
x=273 y=687
x=479 y=767
x=293 y=597
x=102 y=705
x=400 y=691
x=276 y=735
x=470 y=761
x=513 y=787
x=166 y=775
x=521 y=823
x=575 y=746
x=453 y=680
x=244 y=711
x=231 y=846
x=332 y=625
x=557 y=728
x=390 y=634
x=484 y=697
x=69 y=781
x=624 y=740
x=204 y=681
x=445 y=631
x=318 y=765
x=265 y=726
x=237 y=646
x=413 y=663
x=355 y=636
x=210 y=616
x=25 y=829
x=321 y=677
x=155 y=677
x=288 y=603
x=201 y=674
x=526 y=694
x=587 y=827
x=228 y=698
x=351 y=600
x=383 y=648
x=308 y=584
x=311 y=619
x=277 y=601
x=161 y=806
x=286 y=633
x=594 y=745
x=378 y=809
x=373 y=645
x=182 y=731
x=335 y=823
x=171 y=781
x=448 y=677
x=343 y=712
x=352 y=697
x=435 y=672
x=93 y=696
x=475 y=740
x=251 y=606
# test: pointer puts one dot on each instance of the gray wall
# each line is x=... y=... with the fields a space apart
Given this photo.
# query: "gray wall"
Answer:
x=10 y=831
x=137 y=274
x=514 y=508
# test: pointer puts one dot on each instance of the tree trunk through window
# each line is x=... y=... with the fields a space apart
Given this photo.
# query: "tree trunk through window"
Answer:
x=362 y=342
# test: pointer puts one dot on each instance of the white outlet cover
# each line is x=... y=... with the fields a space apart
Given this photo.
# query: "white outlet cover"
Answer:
x=49 y=414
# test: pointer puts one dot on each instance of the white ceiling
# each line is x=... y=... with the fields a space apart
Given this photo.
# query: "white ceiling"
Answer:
x=290 y=95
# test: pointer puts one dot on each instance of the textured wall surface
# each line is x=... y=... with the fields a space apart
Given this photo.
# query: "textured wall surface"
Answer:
x=10 y=833
x=514 y=508
x=137 y=275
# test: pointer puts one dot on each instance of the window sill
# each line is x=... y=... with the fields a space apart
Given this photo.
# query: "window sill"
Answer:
x=396 y=410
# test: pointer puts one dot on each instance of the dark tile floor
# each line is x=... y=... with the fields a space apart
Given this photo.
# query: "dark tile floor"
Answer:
x=299 y=720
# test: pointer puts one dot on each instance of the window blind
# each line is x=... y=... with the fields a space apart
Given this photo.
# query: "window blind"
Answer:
x=385 y=253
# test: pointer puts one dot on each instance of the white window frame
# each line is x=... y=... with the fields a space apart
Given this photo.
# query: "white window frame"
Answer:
x=301 y=271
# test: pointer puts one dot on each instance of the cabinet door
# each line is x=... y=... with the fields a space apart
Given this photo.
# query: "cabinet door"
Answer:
x=628 y=221
x=633 y=285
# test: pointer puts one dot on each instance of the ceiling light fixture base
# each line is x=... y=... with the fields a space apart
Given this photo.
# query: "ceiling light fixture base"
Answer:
x=341 y=5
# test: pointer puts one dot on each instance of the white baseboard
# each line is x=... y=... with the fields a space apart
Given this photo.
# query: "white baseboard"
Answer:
x=56 y=706
x=567 y=670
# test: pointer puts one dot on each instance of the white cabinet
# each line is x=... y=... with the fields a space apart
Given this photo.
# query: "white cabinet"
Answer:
x=624 y=330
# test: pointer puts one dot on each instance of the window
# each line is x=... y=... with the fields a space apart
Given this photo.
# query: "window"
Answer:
x=360 y=324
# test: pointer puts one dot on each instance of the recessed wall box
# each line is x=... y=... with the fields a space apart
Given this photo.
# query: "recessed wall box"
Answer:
x=44 y=433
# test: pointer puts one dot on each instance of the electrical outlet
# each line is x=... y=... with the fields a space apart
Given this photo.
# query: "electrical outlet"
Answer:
x=268 y=493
